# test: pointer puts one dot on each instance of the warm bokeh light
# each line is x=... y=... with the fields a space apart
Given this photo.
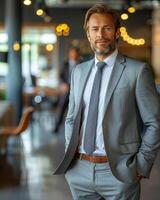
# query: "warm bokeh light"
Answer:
x=131 y=9
x=126 y=37
x=124 y=16
x=64 y=26
x=67 y=29
x=142 y=41
x=65 y=33
x=122 y=29
x=130 y=40
x=16 y=46
x=47 y=18
x=59 y=29
x=39 y=12
x=49 y=47
x=27 y=2
x=59 y=33
x=62 y=29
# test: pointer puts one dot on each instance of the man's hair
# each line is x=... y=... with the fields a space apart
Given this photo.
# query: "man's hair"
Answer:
x=101 y=8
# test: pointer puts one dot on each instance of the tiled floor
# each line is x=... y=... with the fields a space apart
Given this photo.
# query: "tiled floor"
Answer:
x=27 y=175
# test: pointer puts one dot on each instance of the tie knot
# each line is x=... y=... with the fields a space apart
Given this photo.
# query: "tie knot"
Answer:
x=100 y=65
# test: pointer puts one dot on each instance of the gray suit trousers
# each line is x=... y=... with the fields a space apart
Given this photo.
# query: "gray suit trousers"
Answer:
x=90 y=181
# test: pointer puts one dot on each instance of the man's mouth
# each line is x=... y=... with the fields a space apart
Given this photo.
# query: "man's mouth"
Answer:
x=102 y=41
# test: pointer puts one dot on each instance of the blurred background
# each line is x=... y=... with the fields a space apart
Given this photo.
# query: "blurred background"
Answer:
x=35 y=39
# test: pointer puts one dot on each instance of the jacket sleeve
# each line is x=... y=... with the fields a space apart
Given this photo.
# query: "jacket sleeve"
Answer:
x=148 y=103
x=70 y=114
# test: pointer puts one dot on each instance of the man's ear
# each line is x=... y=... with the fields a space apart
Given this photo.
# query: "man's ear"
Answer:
x=117 y=34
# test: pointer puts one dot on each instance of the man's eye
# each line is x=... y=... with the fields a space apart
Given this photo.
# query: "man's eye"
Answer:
x=94 y=29
x=108 y=28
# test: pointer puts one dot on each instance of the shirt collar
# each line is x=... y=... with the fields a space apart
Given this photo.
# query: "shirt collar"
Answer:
x=72 y=62
x=110 y=60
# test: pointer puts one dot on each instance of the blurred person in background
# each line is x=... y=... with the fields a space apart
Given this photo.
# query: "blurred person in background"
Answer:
x=65 y=73
x=112 y=98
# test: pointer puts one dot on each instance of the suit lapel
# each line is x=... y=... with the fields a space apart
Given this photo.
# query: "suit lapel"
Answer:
x=115 y=77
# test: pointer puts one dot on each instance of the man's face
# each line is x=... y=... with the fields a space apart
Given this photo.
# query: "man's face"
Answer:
x=73 y=54
x=101 y=34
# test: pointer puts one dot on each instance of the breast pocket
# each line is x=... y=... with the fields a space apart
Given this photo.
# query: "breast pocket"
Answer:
x=122 y=89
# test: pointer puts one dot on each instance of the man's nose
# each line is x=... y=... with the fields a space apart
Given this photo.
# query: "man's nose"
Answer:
x=100 y=32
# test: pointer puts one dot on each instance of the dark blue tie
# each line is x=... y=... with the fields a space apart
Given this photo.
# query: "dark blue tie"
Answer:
x=91 y=125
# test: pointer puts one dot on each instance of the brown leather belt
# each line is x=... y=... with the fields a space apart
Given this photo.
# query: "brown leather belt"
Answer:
x=94 y=159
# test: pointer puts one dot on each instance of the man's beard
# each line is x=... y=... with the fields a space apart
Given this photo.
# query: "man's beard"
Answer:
x=109 y=49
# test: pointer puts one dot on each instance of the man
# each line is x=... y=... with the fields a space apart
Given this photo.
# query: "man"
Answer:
x=73 y=60
x=112 y=166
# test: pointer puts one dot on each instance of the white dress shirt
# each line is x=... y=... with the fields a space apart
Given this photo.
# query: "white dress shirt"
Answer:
x=107 y=70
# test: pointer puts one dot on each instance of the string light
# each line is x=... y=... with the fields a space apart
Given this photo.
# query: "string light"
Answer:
x=131 y=9
x=39 y=12
x=49 y=47
x=65 y=33
x=42 y=11
x=123 y=31
x=129 y=39
x=16 y=46
x=124 y=16
x=62 y=29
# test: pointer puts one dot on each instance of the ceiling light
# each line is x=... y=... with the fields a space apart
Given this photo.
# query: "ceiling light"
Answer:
x=16 y=46
x=124 y=16
x=131 y=9
x=39 y=12
x=27 y=2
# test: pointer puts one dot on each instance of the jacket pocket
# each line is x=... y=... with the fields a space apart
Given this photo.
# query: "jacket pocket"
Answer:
x=121 y=89
x=130 y=147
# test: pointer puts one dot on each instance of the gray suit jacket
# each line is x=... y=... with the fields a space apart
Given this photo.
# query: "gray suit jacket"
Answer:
x=131 y=124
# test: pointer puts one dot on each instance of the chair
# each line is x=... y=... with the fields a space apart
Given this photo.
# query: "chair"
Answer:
x=8 y=131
